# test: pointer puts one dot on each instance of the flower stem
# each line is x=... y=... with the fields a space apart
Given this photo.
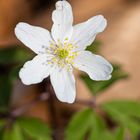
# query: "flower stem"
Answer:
x=90 y=103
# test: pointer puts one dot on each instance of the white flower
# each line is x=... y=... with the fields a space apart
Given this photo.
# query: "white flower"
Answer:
x=61 y=50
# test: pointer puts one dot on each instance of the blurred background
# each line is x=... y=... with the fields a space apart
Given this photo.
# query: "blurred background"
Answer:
x=119 y=43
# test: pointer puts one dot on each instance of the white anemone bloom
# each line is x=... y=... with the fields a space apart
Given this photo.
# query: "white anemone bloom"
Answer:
x=61 y=50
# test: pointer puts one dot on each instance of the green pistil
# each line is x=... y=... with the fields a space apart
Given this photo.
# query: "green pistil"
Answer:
x=62 y=54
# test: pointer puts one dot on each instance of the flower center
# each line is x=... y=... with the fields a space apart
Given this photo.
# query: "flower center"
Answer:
x=63 y=53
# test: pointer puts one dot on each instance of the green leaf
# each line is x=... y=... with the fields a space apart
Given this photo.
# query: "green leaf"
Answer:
x=47 y=138
x=16 y=133
x=14 y=73
x=35 y=128
x=89 y=124
x=6 y=135
x=99 y=131
x=2 y=123
x=126 y=114
x=98 y=86
x=13 y=133
x=79 y=125
x=11 y=60
x=14 y=55
x=105 y=134
x=5 y=91
x=94 y=47
x=120 y=133
x=129 y=108
x=98 y=127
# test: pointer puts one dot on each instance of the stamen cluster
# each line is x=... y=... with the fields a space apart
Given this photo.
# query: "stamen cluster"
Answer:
x=63 y=54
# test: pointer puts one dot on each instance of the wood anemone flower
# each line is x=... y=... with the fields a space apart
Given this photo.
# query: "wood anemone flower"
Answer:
x=61 y=50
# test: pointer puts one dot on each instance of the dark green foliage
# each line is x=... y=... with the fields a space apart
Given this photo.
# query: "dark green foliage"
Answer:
x=11 y=60
x=88 y=124
x=79 y=125
x=5 y=91
x=14 y=55
x=35 y=128
x=126 y=114
x=13 y=133
x=25 y=128
x=98 y=86
x=94 y=47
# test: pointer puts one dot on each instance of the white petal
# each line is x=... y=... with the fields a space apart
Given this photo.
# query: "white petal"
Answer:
x=36 y=38
x=36 y=70
x=63 y=19
x=85 y=33
x=94 y=65
x=63 y=83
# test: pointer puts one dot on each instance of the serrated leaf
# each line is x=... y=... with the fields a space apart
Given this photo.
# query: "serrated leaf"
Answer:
x=125 y=113
x=35 y=128
x=79 y=125
x=98 y=86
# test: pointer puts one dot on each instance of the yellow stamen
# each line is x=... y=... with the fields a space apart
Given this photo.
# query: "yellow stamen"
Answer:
x=63 y=54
